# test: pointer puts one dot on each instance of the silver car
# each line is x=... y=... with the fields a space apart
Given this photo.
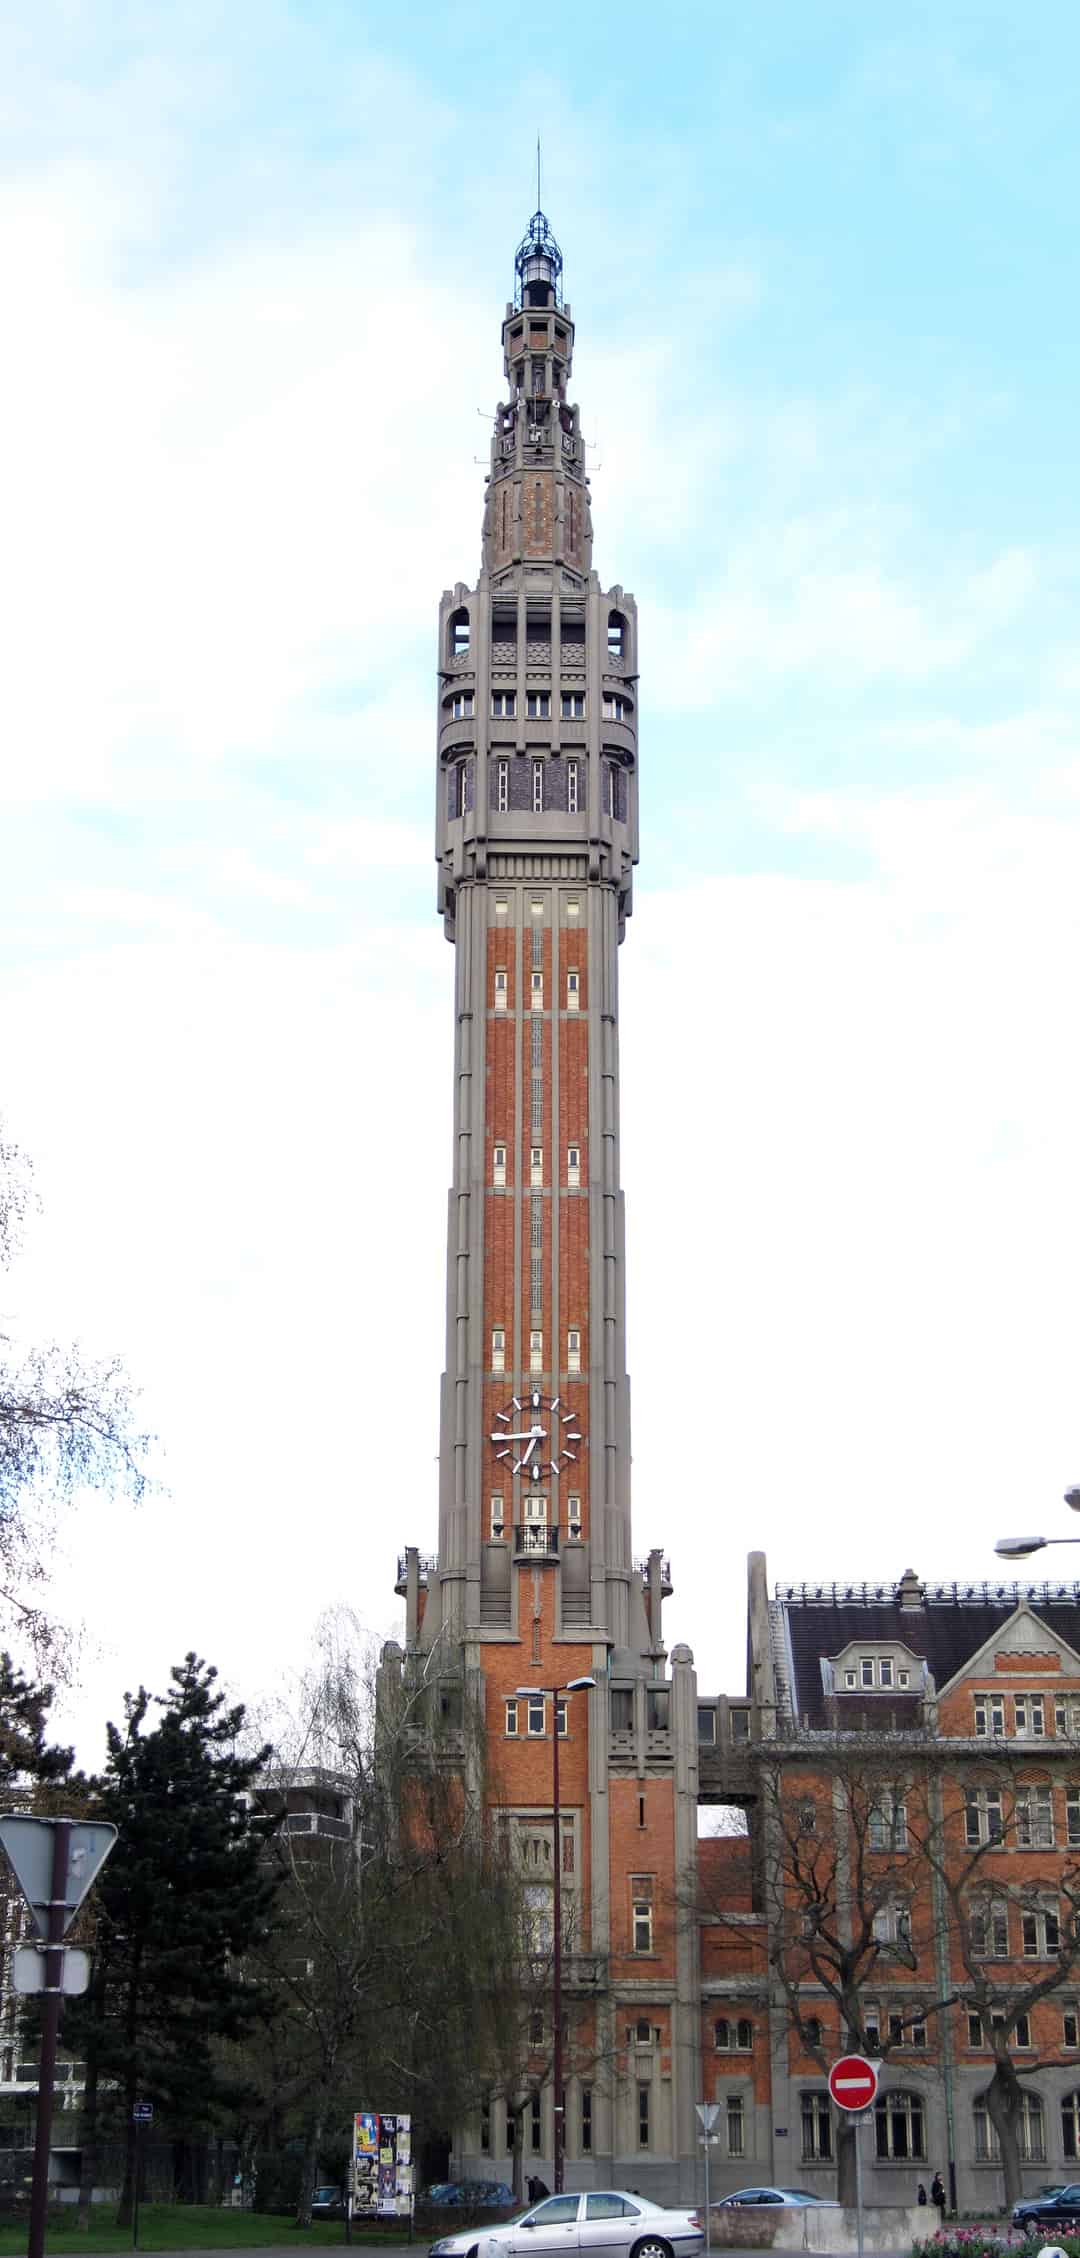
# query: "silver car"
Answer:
x=609 y=2221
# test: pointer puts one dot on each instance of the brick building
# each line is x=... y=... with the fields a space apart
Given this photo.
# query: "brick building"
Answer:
x=923 y=1743
x=535 y=1581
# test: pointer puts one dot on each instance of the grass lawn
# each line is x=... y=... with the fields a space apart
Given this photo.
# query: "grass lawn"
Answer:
x=188 y=2226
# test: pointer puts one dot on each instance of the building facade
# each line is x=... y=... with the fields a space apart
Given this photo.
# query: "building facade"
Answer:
x=678 y=1954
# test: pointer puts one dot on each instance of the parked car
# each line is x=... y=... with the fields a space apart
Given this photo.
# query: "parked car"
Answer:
x=770 y=2195
x=479 y=2195
x=328 y=2203
x=1049 y=2210
x=608 y=2220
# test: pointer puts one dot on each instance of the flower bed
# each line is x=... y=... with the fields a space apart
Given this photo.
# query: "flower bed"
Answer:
x=994 y=2242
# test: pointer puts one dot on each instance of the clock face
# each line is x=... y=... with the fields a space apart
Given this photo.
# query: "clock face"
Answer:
x=537 y=1436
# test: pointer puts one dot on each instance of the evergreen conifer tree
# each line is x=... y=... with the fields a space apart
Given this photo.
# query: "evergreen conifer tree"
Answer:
x=185 y=1895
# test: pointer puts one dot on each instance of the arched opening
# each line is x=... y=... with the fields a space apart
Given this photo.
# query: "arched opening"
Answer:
x=618 y=636
x=459 y=634
x=900 y=2128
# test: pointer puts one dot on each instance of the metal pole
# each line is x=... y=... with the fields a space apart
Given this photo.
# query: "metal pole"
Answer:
x=856 y=2129
x=557 y=2060
x=138 y=2177
x=708 y=2138
x=50 y=2024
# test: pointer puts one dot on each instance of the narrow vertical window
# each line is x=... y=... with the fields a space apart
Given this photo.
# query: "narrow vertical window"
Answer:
x=573 y=1349
x=571 y=518
x=505 y=499
x=736 y=2134
x=536 y=1164
x=573 y=1178
x=573 y=1516
x=643 y=2116
x=573 y=991
x=586 y=2120
x=538 y=787
x=498 y=1348
x=500 y=987
x=538 y=491
x=498 y=1166
x=536 y=2129
x=536 y=991
x=485 y=2126
x=498 y=1520
x=572 y=776
x=502 y=786
x=536 y=1350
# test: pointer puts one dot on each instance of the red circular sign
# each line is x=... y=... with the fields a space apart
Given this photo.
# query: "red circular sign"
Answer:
x=853 y=2082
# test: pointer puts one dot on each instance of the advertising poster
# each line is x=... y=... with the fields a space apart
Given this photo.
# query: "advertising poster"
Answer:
x=382 y=2164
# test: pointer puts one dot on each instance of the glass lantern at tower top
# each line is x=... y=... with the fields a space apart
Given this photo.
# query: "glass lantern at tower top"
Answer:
x=538 y=266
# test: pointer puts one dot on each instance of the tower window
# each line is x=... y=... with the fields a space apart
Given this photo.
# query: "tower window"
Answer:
x=616 y=636
x=536 y=1164
x=573 y=1516
x=500 y=987
x=643 y=2116
x=616 y=708
x=538 y=787
x=573 y=990
x=536 y=990
x=511 y=1718
x=573 y=705
x=641 y=1913
x=503 y=704
x=462 y=705
x=573 y=1166
x=498 y=1166
x=502 y=786
x=586 y=2120
x=498 y=1348
x=538 y=705
x=573 y=1349
x=573 y=790
x=459 y=635
x=498 y=1521
x=502 y=906
x=536 y=1350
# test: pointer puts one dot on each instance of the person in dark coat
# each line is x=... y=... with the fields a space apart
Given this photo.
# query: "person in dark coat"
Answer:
x=536 y=2188
x=937 y=2194
x=921 y=2196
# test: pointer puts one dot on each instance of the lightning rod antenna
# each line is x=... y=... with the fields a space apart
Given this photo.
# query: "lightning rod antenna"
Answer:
x=539 y=204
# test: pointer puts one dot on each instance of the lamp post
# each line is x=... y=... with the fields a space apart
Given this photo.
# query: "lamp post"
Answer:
x=528 y=1693
x=1018 y=1548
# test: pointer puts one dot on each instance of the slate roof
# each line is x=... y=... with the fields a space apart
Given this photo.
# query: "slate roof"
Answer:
x=947 y=1630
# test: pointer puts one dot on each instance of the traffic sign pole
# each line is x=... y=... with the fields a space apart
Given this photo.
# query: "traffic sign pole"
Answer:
x=58 y=1918
x=856 y=2130
x=853 y=2083
x=708 y=2112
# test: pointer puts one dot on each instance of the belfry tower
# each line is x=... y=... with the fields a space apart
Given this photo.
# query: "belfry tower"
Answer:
x=534 y=1583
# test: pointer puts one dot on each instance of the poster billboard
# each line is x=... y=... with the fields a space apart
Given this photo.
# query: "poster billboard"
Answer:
x=382 y=2173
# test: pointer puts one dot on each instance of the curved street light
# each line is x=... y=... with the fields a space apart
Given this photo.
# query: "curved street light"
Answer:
x=1017 y=1548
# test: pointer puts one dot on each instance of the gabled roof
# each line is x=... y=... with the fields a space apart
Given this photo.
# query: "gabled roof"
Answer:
x=949 y=1627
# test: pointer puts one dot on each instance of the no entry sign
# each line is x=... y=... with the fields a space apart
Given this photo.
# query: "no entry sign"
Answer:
x=853 y=2082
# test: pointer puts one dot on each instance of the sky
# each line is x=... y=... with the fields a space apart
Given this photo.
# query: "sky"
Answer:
x=822 y=262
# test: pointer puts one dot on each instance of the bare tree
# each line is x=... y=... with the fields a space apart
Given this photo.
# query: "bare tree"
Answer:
x=985 y=1898
x=841 y=1879
x=400 y=1920
x=66 y=1424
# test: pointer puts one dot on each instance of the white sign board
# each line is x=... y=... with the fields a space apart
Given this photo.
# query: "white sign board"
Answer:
x=28 y=1969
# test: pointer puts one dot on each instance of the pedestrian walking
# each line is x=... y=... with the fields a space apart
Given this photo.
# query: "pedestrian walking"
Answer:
x=937 y=2194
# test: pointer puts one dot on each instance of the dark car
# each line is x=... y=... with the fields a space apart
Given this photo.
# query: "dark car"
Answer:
x=1049 y=2210
x=480 y=2195
x=328 y=2203
x=799 y=2196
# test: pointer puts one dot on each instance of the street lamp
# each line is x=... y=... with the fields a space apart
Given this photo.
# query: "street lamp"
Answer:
x=1017 y=1548
x=527 y=1693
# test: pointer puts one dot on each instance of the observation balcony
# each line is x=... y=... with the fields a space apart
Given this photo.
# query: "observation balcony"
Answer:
x=427 y=1562
x=535 y=1542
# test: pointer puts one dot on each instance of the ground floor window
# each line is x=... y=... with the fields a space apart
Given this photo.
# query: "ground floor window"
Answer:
x=586 y=2120
x=898 y=2127
x=736 y=2126
x=816 y=2127
x=1070 y=2126
x=643 y=2116
x=1030 y=2131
